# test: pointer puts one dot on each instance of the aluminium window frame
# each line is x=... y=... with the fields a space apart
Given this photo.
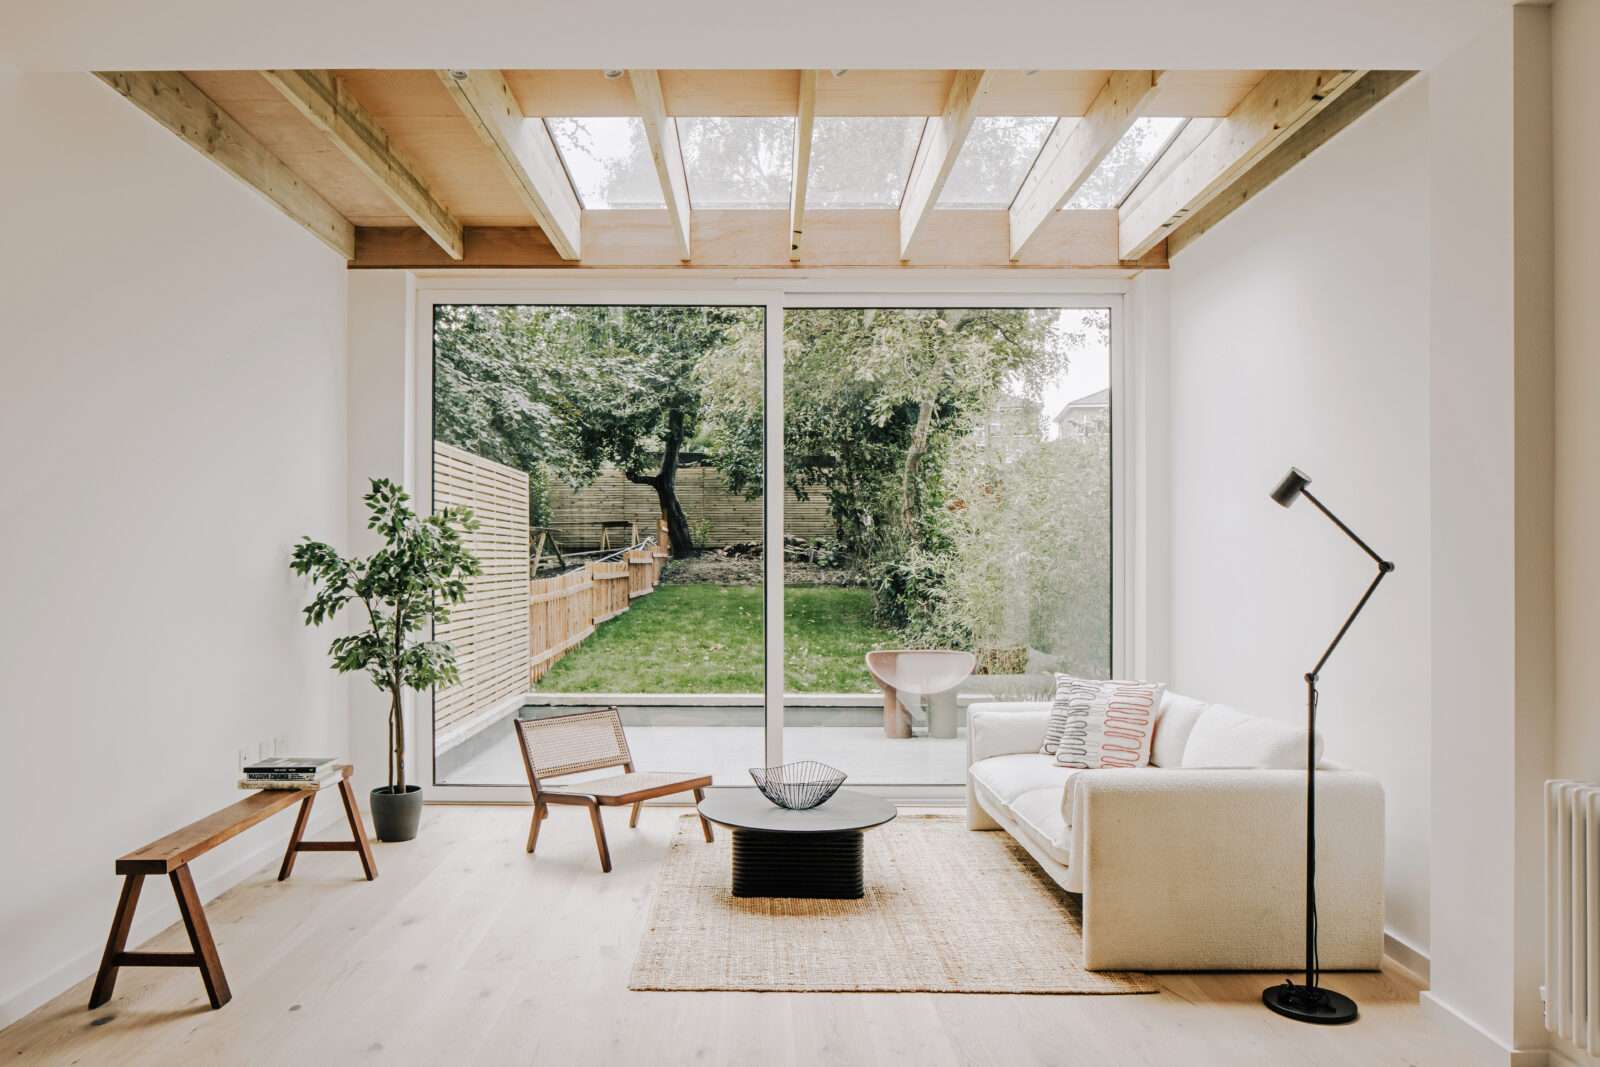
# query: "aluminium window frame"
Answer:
x=777 y=291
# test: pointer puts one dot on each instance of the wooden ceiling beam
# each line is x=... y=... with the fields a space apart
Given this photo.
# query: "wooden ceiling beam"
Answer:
x=1351 y=105
x=846 y=238
x=1074 y=149
x=936 y=153
x=525 y=152
x=662 y=133
x=1269 y=114
x=323 y=99
x=178 y=104
x=804 y=123
x=858 y=93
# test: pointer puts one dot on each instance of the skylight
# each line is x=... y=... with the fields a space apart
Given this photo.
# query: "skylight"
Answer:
x=737 y=162
x=608 y=160
x=861 y=162
x=995 y=159
x=1127 y=162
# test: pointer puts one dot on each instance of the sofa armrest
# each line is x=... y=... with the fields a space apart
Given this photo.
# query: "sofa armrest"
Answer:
x=1001 y=729
x=1205 y=869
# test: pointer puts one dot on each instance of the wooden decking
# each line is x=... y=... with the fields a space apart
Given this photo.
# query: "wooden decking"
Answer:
x=467 y=951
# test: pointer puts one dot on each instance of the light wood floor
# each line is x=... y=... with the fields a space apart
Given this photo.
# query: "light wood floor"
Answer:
x=466 y=950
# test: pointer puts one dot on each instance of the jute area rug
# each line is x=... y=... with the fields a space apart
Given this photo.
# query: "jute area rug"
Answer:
x=946 y=911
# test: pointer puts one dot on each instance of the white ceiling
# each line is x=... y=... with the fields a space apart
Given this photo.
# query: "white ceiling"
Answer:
x=825 y=34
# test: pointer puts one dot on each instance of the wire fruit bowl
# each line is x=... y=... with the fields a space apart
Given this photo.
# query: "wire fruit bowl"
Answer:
x=798 y=786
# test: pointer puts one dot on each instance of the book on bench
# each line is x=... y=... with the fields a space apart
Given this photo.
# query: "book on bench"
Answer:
x=289 y=772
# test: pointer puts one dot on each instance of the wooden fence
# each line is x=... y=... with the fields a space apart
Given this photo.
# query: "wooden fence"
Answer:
x=576 y=514
x=564 y=610
x=489 y=630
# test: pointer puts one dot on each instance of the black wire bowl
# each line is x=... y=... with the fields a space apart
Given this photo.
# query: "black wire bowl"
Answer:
x=798 y=786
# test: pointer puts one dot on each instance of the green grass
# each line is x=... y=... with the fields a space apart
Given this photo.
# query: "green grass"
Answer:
x=707 y=639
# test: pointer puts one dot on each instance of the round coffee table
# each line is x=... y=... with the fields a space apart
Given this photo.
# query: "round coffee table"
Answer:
x=782 y=853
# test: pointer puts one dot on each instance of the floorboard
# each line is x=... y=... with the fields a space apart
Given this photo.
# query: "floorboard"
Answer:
x=467 y=950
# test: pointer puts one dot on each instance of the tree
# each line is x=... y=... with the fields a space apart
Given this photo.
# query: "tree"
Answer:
x=573 y=388
x=412 y=580
x=872 y=399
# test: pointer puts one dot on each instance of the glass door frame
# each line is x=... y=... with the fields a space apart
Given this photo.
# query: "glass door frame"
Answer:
x=774 y=293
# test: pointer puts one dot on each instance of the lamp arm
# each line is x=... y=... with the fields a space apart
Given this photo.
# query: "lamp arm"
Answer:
x=1384 y=569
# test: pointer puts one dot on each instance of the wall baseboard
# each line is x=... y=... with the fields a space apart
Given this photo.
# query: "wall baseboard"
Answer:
x=1407 y=957
x=1483 y=1047
x=151 y=921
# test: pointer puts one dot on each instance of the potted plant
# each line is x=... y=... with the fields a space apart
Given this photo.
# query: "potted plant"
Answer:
x=411 y=581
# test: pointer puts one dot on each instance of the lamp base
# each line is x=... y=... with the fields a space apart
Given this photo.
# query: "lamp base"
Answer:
x=1310 y=1004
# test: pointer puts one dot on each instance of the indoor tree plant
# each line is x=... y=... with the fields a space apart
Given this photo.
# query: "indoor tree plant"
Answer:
x=412 y=580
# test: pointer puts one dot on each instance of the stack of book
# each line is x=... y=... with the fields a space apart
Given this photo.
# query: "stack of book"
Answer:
x=290 y=772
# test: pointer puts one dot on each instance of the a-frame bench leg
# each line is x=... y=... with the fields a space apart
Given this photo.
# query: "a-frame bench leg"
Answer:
x=358 y=833
x=357 y=830
x=300 y=821
x=205 y=949
x=121 y=921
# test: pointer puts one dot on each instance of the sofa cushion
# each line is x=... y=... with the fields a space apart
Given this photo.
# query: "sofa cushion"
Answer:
x=1173 y=724
x=1038 y=814
x=1102 y=723
x=1223 y=737
x=1008 y=777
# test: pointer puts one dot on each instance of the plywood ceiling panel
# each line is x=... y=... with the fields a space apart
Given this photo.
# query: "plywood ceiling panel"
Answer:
x=426 y=126
x=262 y=110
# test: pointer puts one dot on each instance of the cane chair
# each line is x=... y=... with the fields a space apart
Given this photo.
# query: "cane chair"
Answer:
x=591 y=740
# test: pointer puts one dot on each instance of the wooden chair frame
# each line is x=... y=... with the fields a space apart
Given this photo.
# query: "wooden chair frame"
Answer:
x=604 y=792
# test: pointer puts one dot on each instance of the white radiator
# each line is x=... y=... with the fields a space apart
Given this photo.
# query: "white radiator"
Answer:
x=1572 y=912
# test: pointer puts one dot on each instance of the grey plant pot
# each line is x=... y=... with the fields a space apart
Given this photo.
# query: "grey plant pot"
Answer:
x=395 y=816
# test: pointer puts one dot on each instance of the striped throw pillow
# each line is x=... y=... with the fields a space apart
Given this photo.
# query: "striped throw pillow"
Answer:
x=1102 y=723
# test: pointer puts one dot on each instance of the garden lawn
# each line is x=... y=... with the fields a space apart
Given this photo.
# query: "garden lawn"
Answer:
x=707 y=639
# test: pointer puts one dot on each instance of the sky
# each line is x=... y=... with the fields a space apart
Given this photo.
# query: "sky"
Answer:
x=1088 y=372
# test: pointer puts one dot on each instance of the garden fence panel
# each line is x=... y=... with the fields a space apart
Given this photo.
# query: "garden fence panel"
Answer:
x=489 y=630
x=722 y=517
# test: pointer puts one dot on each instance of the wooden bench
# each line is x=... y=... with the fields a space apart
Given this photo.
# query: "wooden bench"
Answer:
x=171 y=855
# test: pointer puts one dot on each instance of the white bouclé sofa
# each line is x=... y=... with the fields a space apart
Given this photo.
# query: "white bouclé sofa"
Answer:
x=1196 y=862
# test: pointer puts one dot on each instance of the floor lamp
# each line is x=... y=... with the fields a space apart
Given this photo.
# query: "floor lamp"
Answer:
x=1310 y=1002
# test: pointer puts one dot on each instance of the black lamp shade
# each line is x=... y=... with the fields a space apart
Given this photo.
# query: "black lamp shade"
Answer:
x=1290 y=488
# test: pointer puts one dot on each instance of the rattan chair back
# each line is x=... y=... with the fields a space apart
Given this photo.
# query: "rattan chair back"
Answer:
x=586 y=740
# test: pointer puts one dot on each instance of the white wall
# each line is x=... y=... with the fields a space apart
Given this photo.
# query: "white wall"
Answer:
x=172 y=419
x=1299 y=336
x=1575 y=33
x=1576 y=40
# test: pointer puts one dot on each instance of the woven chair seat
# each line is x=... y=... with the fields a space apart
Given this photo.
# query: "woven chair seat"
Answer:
x=621 y=788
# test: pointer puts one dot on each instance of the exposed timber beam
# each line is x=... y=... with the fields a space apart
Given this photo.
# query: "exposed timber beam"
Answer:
x=525 y=153
x=806 y=112
x=936 y=154
x=323 y=99
x=1282 y=103
x=178 y=104
x=1074 y=149
x=662 y=133
x=848 y=238
x=1351 y=105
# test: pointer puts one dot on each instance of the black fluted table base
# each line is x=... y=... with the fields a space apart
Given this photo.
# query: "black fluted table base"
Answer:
x=818 y=865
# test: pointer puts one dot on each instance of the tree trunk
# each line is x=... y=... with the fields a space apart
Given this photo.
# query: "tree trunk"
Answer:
x=397 y=738
x=665 y=483
x=908 y=477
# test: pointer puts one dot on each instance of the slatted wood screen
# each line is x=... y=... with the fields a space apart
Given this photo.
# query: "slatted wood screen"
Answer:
x=490 y=629
x=577 y=513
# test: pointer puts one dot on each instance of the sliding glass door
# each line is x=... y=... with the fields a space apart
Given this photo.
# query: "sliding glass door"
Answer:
x=951 y=469
x=675 y=521
x=613 y=456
